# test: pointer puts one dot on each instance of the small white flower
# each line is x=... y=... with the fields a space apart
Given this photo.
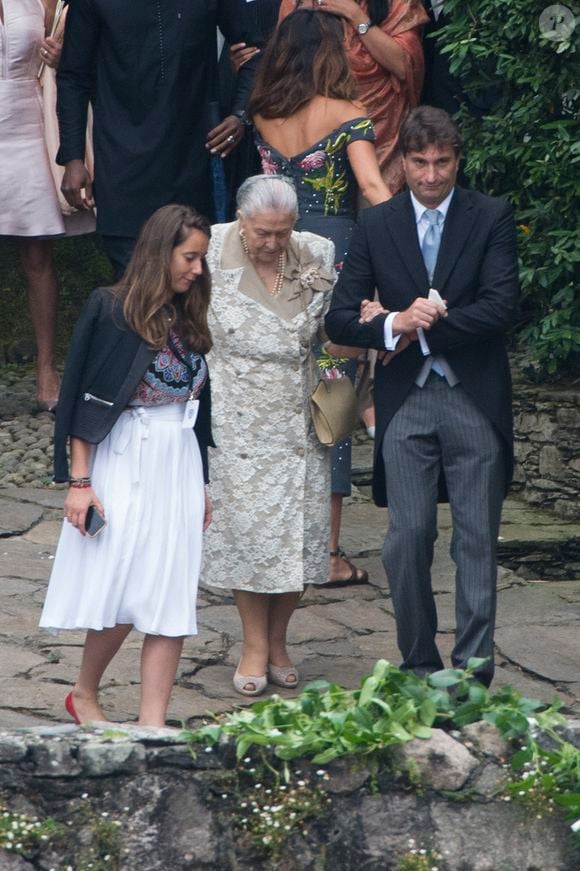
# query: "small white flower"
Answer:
x=208 y=749
x=575 y=826
x=224 y=795
x=85 y=795
x=321 y=772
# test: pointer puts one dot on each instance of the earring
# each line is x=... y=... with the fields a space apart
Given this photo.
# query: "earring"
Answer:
x=244 y=242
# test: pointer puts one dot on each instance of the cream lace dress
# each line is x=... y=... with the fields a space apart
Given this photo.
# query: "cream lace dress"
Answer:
x=270 y=476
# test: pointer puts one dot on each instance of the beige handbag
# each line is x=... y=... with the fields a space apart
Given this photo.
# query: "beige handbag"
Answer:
x=333 y=403
x=334 y=409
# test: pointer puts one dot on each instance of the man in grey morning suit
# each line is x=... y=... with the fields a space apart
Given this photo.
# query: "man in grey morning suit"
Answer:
x=443 y=402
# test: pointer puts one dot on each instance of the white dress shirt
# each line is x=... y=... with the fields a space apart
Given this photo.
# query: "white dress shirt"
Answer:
x=422 y=223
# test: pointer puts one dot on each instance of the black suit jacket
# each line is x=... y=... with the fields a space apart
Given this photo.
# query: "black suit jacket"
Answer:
x=104 y=366
x=476 y=273
x=150 y=68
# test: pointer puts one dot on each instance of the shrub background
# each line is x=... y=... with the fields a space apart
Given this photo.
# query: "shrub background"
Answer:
x=527 y=149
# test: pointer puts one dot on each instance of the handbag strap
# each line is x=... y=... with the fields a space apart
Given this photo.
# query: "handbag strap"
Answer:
x=312 y=369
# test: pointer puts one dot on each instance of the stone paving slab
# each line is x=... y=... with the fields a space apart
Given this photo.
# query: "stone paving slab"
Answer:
x=338 y=634
x=16 y=518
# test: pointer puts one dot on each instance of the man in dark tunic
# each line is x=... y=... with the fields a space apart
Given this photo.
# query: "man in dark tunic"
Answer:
x=150 y=70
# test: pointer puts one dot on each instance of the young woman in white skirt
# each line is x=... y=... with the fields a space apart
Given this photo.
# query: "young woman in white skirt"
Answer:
x=135 y=406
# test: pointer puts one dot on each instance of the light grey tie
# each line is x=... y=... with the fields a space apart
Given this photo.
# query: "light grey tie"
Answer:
x=430 y=250
x=431 y=240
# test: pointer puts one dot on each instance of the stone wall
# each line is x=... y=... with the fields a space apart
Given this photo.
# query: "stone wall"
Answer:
x=137 y=800
x=547 y=447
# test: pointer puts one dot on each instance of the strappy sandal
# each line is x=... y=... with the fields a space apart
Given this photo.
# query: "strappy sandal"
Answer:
x=357 y=576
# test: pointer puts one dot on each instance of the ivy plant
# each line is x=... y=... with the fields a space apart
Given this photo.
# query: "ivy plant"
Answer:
x=526 y=148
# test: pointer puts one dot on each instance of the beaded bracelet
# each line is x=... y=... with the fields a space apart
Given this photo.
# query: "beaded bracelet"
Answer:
x=79 y=483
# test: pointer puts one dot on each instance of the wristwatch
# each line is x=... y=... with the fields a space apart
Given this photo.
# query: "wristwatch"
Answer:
x=240 y=114
x=361 y=29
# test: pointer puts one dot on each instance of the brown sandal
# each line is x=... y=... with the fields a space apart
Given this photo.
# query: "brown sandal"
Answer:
x=357 y=576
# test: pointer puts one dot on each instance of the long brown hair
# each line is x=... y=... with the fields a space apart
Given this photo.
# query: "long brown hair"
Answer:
x=146 y=287
x=304 y=58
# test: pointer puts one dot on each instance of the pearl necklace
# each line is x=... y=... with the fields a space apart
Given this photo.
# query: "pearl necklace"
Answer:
x=278 y=283
x=277 y=289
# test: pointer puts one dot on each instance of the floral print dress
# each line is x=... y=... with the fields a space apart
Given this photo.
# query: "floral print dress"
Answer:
x=325 y=183
x=327 y=203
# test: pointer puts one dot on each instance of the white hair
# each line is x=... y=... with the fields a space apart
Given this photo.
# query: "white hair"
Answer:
x=261 y=192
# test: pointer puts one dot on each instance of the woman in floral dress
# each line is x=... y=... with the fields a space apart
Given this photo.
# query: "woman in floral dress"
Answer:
x=310 y=128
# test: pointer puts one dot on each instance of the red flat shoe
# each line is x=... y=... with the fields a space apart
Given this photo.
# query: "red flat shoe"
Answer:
x=69 y=705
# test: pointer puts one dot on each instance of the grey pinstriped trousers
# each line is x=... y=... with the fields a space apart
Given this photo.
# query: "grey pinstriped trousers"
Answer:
x=439 y=427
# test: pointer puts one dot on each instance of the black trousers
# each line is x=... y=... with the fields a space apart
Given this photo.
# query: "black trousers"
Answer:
x=119 y=250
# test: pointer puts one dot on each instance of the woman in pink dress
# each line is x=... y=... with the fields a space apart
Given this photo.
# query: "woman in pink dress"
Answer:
x=30 y=209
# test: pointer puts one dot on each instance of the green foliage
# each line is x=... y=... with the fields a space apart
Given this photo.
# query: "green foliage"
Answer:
x=80 y=266
x=419 y=860
x=549 y=778
x=326 y=721
x=98 y=847
x=279 y=805
x=25 y=835
x=391 y=707
x=527 y=149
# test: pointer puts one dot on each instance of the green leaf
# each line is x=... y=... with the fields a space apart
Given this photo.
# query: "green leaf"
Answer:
x=422 y=732
x=444 y=678
x=428 y=712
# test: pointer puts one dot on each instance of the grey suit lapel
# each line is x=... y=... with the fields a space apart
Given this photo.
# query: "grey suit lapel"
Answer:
x=458 y=225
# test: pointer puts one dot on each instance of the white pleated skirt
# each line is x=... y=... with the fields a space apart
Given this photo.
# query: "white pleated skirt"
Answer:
x=143 y=568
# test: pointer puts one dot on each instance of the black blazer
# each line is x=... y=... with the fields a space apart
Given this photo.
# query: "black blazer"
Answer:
x=476 y=272
x=105 y=364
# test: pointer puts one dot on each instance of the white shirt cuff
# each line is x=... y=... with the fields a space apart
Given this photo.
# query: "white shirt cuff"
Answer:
x=390 y=340
x=423 y=342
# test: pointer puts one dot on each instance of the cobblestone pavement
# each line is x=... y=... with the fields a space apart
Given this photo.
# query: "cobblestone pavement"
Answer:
x=337 y=634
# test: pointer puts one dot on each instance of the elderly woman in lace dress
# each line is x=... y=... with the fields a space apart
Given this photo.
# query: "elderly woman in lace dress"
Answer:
x=270 y=474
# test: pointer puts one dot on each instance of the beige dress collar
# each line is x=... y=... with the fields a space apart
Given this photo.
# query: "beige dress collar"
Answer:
x=287 y=305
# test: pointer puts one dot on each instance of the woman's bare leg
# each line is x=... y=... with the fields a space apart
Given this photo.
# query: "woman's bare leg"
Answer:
x=282 y=607
x=37 y=262
x=100 y=648
x=159 y=661
x=339 y=568
x=254 y=610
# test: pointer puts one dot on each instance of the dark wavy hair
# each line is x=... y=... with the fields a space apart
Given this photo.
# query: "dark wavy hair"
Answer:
x=146 y=288
x=427 y=125
x=304 y=58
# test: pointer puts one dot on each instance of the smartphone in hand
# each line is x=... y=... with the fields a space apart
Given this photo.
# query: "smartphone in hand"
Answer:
x=94 y=522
